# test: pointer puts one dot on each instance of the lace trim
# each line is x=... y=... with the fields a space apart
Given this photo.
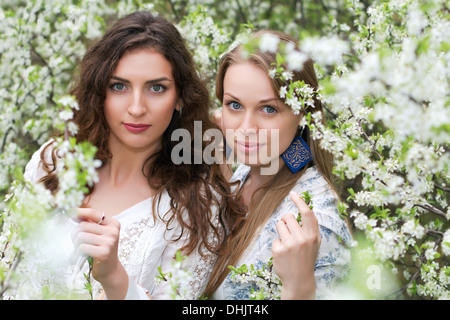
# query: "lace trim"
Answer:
x=203 y=267
x=130 y=236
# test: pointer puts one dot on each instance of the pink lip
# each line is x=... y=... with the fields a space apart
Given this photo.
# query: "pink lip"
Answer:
x=248 y=147
x=136 y=127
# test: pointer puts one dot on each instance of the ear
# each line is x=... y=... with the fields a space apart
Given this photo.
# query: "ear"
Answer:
x=179 y=105
x=301 y=116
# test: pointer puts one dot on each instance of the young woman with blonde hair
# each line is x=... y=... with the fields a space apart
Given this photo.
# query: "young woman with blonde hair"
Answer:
x=308 y=258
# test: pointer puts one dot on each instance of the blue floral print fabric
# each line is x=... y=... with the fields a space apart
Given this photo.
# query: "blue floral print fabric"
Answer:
x=333 y=260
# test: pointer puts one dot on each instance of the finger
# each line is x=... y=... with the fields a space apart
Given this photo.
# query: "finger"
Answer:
x=85 y=227
x=282 y=229
x=299 y=202
x=292 y=224
x=309 y=220
x=89 y=250
x=89 y=227
x=88 y=238
x=92 y=215
x=276 y=243
x=276 y=247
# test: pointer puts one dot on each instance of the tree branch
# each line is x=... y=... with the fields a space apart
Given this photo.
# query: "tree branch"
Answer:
x=432 y=209
x=365 y=134
x=405 y=287
x=442 y=188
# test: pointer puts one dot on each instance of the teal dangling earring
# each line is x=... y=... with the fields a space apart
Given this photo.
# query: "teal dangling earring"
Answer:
x=297 y=155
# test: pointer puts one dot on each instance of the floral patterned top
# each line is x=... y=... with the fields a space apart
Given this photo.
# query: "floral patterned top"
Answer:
x=334 y=256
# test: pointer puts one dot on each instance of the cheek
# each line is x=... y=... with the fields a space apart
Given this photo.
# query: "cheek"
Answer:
x=228 y=121
x=109 y=110
x=114 y=104
x=161 y=112
x=164 y=119
x=285 y=140
x=286 y=134
x=228 y=132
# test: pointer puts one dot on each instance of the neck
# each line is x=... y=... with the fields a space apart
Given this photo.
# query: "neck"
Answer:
x=262 y=175
x=126 y=164
x=258 y=179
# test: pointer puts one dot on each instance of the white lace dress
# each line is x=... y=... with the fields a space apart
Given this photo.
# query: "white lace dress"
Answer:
x=334 y=256
x=144 y=245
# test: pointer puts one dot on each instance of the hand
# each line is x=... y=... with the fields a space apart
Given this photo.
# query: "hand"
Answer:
x=101 y=242
x=295 y=252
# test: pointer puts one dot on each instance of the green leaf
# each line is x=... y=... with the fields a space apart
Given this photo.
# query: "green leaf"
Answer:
x=299 y=217
x=279 y=59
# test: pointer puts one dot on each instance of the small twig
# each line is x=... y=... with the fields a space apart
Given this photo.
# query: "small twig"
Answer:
x=432 y=209
x=5 y=138
x=442 y=188
x=5 y=285
x=365 y=135
x=402 y=289
x=172 y=6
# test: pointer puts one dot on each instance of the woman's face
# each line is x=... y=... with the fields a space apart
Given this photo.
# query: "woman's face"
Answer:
x=258 y=125
x=140 y=101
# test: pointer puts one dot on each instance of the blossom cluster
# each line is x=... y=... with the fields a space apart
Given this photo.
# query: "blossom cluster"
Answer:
x=388 y=128
x=384 y=76
x=208 y=39
x=391 y=150
x=175 y=280
x=298 y=95
x=266 y=285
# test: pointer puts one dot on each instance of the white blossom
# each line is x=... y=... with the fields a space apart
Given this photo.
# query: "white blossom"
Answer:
x=446 y=243
x=413 y=228
x=269 y=42
x=295 y=60
x=283 y=92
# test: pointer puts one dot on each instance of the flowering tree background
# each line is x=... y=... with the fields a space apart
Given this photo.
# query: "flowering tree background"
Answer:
x=384 y=69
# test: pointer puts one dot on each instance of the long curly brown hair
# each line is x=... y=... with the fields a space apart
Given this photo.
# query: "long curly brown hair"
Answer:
x=193 y=188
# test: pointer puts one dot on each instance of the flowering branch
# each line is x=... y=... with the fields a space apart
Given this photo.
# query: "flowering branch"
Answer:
x=176 y=278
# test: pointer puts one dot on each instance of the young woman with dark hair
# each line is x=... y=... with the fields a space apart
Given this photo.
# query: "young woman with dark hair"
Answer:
x=136 y=86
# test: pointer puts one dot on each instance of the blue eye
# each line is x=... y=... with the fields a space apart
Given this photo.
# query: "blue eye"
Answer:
x=158 y=88
x=118 y=87
x=235 y=105
x=269 y=109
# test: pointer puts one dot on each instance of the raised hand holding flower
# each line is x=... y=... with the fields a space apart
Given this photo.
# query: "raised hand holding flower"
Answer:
x=295 y=252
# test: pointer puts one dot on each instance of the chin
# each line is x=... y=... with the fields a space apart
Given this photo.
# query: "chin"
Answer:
x=140 y=146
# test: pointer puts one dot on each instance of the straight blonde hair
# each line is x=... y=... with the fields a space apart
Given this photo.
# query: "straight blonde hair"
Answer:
x=266 y=199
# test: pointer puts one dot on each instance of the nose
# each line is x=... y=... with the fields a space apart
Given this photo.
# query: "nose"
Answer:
x=248 y=126
x=137 y=107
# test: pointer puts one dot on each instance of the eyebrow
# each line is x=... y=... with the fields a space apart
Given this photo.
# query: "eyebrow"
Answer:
x=261 y=101
x=148 y=81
